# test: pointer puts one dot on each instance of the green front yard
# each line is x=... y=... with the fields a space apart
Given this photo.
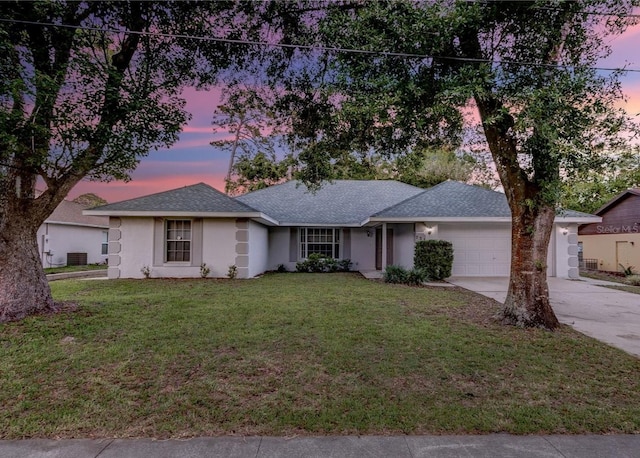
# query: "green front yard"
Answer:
x=65 y=269
x=293 y=354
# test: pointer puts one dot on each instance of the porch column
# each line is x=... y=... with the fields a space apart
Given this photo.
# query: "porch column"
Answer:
x=384 y=246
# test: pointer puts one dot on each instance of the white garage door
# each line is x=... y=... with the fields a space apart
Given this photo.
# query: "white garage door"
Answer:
x=478 y=250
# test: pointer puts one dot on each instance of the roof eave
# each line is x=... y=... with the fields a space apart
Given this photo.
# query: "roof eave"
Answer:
x=182 y=214
x=476 y=219
x=442 y=219
x=579 y=219
x=67 y=223
x=312 y=224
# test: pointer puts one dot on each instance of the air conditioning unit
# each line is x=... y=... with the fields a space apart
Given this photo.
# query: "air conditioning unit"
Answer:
x=76 y=259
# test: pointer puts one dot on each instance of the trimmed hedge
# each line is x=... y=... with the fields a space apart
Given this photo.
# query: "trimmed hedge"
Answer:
x=320 y=263
x=435 y=257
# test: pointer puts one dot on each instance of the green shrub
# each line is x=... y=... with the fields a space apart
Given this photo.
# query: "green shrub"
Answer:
x=232 y=272
x=435 y=257
x=628 y=271
x=344 y=265
x=317 y=262
x=395 y=274
x=398 y=274
x=416 y=276
x=633 y=280
x=330 y=265
x=204 y=270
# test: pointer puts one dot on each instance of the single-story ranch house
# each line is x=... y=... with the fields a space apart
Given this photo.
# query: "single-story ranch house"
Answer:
x=614 y=242
x=374 y=223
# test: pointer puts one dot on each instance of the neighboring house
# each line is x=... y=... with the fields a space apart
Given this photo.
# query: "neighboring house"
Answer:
x=174 y=232
x=614 y=242
x=69 y=237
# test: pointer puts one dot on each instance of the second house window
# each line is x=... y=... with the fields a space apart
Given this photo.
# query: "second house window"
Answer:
x=320 y=240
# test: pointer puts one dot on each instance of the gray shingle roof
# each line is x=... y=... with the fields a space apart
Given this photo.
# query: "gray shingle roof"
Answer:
x=451 y=199
x=342 y=202
x=197 y=198
x=69 y=212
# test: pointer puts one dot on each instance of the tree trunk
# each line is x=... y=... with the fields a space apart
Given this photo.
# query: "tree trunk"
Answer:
x=24 y=288
x=527 y=303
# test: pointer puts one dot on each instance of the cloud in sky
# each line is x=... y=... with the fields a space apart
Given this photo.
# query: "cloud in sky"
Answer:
x=153 y=176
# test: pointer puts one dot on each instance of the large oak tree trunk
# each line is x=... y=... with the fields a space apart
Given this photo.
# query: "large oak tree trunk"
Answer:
x=527 y=303
x=25 y=290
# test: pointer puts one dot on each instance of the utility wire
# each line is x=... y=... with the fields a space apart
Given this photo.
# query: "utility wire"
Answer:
x=317 y=48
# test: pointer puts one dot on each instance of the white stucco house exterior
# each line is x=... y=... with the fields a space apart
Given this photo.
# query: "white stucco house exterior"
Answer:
x=172 y=233
x=68 y=234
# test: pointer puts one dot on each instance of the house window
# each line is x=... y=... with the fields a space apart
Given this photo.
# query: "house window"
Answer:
x=320 y=240
x=105 y=242
x=178 y=240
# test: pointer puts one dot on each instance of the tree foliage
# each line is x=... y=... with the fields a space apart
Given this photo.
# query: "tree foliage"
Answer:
x=527 y=67
x=591 y=188
x=254 y=138
x=90 y=200
x=87 y=90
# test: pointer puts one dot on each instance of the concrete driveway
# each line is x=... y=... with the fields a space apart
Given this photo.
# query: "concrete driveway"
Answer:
x=605 y=314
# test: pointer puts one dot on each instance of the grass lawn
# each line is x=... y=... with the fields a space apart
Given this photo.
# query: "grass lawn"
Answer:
x=290 y=354
x=64 y=269
x=600 y=275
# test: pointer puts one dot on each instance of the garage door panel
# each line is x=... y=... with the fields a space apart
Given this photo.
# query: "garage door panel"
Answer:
x=479 y=250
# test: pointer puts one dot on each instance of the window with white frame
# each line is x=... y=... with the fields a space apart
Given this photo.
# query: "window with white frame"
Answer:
x=178 y=240
x=321 y=240
x=105 y=242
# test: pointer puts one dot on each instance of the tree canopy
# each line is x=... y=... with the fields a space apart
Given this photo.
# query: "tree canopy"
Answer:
x=87 y=90
x=395 y=76
x=89 y=200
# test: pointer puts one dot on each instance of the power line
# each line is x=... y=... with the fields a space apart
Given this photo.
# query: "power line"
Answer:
x=317 y=48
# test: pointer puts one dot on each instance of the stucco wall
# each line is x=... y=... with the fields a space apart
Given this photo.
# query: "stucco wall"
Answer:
x=279 y=241
x=61 y=239
x=403 y=244
x=612 y=249
x=219 y=246
x=363 y=249
x=258 y=249
x=130 y=247
x=566 y=250
x=133 y=242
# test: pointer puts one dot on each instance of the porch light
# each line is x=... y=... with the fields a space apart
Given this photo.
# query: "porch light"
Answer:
x=564 y=230
x=429 y=230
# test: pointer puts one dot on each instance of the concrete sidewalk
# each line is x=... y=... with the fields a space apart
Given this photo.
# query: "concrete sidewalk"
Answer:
x=493 y=445
x=606 y=314
x=98 y=273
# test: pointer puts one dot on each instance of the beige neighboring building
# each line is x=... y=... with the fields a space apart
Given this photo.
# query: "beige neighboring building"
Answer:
x=614 y=243
x=69 y=237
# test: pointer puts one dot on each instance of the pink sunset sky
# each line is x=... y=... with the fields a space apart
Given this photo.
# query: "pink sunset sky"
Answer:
x=192 y=159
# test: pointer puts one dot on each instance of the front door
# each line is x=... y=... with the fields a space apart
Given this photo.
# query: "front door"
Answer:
x=379 y=247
